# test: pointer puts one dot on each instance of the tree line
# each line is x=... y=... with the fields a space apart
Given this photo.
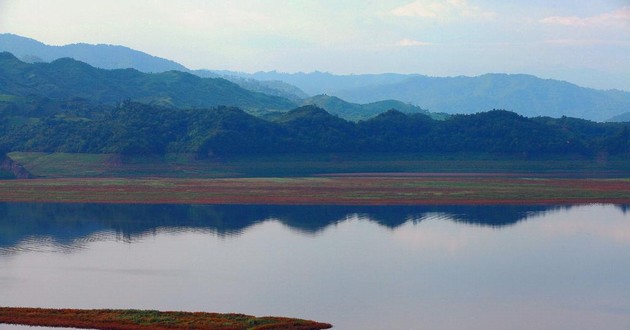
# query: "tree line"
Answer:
x=136 y=128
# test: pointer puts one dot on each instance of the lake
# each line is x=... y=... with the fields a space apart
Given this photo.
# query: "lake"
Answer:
x=396 y=267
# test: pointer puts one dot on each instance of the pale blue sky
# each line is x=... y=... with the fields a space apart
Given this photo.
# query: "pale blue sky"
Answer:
x=583 y=41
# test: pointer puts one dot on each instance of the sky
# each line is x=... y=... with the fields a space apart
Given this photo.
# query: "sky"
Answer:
x=582 y=41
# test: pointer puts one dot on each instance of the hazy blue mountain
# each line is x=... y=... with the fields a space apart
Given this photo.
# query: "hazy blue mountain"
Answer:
x=100 y=56
x=316 y=83
x=355 y=112
x=271 y=87
x=624 y=117
x=66 y=79
x=524 y=94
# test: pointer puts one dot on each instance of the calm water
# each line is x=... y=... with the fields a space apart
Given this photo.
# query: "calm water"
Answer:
x=357 y=267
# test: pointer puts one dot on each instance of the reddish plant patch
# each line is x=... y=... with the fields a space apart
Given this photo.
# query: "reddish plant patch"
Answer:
x=154 y=320
x=387 y=190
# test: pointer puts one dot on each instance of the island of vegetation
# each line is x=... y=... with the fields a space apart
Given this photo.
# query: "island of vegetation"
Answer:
x=112 y=319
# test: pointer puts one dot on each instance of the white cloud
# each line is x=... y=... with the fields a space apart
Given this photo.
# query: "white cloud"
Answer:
x=441 y=10
x=620 y=17
x=411 y=42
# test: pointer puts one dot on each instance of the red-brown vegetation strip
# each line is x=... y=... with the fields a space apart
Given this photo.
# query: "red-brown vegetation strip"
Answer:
x=154 y=320
x=409 y=190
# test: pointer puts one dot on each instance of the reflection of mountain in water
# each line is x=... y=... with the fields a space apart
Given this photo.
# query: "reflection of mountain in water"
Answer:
x=67 y=223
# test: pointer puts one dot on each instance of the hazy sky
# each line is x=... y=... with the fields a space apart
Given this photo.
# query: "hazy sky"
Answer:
x=583 y=41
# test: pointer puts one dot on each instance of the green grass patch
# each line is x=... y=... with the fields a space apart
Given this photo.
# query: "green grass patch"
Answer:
x=56 y=165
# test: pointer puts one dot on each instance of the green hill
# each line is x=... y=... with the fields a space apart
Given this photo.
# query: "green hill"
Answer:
x=119 y=57
x=138 y=129
x=66 y=79
x=355 y=112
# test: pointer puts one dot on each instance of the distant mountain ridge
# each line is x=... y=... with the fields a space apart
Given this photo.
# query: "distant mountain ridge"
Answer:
x=525 y=94
x=68 y=82
x=624 y=117
x=100 y=56
x=67 y=79
x=316 y=83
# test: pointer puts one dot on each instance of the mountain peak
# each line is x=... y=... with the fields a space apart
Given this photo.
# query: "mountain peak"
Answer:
x=101 y=56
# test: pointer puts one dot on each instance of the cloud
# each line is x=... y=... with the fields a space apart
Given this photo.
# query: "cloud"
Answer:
x=441 y=10
x=620 y=17
x=411 y=43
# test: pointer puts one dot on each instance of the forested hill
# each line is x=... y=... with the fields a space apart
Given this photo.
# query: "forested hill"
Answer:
x=121 y=57
x=134 y=128
x=354 y=111
x=66 y=79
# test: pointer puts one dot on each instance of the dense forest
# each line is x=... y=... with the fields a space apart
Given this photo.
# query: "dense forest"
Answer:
x=136 y=128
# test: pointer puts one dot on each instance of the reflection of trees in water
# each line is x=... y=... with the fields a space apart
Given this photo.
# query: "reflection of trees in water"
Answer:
x=624 y=208
x=72 y=224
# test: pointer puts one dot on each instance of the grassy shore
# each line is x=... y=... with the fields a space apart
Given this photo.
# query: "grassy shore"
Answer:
x=399 y=189
x=153 y=320
x=64 y=165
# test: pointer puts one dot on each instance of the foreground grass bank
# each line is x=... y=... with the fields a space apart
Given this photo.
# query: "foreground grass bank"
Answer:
x=154 y=320
x=399 y=189
x=63 y=165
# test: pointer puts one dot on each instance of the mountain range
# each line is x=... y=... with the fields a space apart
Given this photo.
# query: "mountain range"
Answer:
x=70 y=106
x=66 y=79
x=524 y=94
x=35 y=85
x=120 y=57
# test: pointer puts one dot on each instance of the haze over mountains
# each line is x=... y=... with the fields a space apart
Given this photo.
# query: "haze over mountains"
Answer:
x=100 y=56
x=524 y=94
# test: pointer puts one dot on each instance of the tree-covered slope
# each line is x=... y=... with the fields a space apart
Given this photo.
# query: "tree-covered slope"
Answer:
x=119 y=57
x=134 y=128
x=354 y=111
x=66 y=79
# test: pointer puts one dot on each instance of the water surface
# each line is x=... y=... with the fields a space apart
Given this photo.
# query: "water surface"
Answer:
x=485 y=267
